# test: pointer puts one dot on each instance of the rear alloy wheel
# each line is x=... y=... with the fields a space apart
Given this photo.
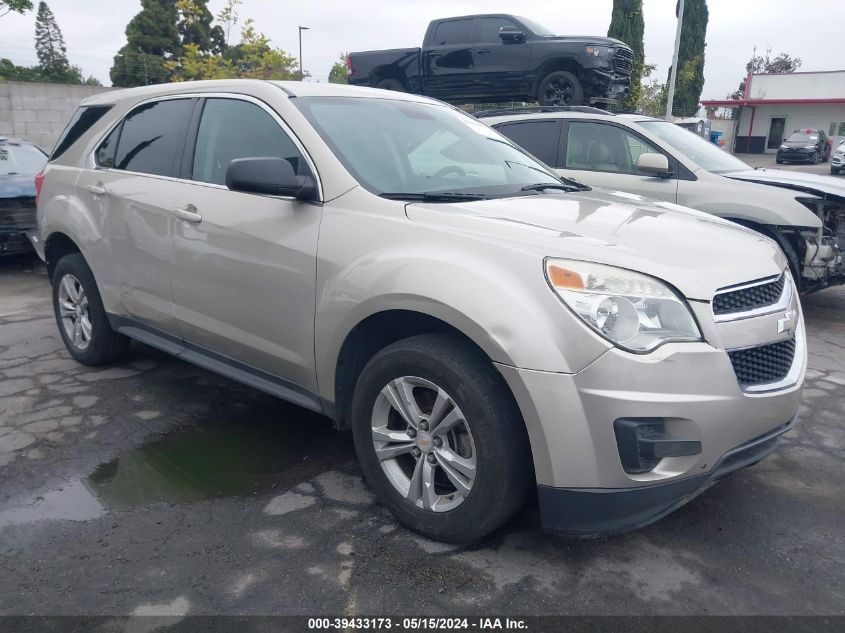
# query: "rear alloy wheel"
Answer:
x=440 y=439
x=80 y=315
x=560 y=88
x=817 y=158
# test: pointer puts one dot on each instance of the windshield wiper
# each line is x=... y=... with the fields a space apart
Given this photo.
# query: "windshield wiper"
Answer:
x=435 y=196
x=540 y=186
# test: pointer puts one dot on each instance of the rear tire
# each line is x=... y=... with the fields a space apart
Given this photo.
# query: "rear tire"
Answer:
x=80 y=315
x=444 y=383
x=391 y=84
x=560 y=88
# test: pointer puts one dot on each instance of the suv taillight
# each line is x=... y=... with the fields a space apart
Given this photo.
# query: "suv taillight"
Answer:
x=348 y=63
x=39 y=182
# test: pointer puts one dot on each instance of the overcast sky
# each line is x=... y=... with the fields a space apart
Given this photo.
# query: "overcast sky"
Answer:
x=94 y=29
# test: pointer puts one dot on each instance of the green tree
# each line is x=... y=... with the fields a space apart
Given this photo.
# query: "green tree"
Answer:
x=11 y=72
x=195 y=26
x=652 y=99
x=229 y=17
x=626 y=24
x=254 y=58
x=690 y=79
x=51 y=50
x=16 y=6
x=766 y=65
x=152 y=39
x=337 y=75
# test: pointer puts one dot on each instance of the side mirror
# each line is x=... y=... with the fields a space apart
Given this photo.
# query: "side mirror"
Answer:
x=511 y=34
x=268 y=175
x=842 y=142
x=654 y=164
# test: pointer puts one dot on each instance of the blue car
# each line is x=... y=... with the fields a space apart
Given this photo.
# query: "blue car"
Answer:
x=20 y=161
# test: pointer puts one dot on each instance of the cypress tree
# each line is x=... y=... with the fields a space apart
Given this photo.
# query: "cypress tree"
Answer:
x=626 y=24
x=195 y=27
x=690 y=80
x=50 y=47
x=152 y=38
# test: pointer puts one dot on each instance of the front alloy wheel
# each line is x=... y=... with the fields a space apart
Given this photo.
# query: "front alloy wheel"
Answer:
x=73 y=311
x=424 y=444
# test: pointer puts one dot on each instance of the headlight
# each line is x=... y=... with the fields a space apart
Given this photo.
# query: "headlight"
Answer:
x=784 y=147
x=633 y=311
x=598 y=51
x=809 y=147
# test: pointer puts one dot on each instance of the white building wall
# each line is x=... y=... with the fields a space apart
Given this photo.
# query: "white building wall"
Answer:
x=821 y=85
x=797 y=117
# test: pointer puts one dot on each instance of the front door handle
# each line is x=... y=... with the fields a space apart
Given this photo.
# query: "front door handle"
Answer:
x=484 y=51
x=96 y=190
x=188 y=213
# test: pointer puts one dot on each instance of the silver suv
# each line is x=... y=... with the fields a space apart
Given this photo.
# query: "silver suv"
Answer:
x=481 y=325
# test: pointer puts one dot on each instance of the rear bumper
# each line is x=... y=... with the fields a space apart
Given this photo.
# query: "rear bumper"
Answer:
x=585 y=513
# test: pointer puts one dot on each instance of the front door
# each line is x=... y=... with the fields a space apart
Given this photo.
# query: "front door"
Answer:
x=500 y=66
x=776 y=128
x=605 y=155
x=244 y=265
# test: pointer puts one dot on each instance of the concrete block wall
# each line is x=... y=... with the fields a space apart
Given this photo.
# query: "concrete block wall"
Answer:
x=38 y=112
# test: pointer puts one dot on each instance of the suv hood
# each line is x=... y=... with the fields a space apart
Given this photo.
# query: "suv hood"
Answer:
x=695 y=252
x=826 y=187
x=587 y=39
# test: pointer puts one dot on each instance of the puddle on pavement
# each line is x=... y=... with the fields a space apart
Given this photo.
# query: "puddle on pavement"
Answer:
x=222 y=459
x=71 y=502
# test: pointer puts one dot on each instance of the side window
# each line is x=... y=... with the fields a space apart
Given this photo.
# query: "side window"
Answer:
x=602 y=147
x=108 y=148
x=83 y=119
x=489 y=29
x=230 y=129
x=151 y=137
x=539 y=138
x=455 y=32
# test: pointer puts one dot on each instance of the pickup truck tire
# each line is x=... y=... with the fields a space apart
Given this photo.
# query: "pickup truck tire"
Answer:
x=560 y=88
x=80 y=314
x=391 y=84
x=462 y=465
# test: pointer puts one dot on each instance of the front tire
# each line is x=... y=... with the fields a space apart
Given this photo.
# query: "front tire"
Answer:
x=834 y=171
x=440 y=439
x=560 y=88
x=80 y=315
x=817 y=158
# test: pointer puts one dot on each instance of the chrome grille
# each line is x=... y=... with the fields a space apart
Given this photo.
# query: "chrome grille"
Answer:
x=763 y=365
x=624 y=61
x=749 y=298
x=17 y=213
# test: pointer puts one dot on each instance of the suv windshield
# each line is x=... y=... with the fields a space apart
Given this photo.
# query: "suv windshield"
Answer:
x=21 y=159
x=400 y=148
x=705 y=154
x=801 y=137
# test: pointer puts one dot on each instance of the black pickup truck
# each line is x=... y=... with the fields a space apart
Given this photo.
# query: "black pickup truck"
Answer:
x=493 y=58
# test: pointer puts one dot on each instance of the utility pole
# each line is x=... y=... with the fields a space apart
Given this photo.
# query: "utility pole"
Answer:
x=674 y=74
x=301 y=29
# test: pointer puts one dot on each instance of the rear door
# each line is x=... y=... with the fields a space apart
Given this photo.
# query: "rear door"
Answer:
x=540 y=137
x=244 y=265
x=130 y=194
x=603 y=154
x=447 y=61
x=501 y=68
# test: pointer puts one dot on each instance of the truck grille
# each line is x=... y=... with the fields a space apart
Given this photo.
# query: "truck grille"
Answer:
x=763 y=365
x=17 y=213
x=749 y=298
x=624 y=61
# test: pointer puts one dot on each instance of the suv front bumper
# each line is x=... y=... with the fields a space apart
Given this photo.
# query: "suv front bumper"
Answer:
x=584 y=489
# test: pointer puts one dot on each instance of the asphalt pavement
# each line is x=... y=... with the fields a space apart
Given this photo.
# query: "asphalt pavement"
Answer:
x=155 y=487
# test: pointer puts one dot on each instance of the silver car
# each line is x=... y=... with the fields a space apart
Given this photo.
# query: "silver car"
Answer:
x=480 y=324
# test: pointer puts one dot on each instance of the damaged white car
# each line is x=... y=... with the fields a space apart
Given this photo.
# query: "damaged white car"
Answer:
x=803 y=213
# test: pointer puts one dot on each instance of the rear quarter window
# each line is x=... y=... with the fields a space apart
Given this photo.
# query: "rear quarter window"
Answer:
x=82 y=121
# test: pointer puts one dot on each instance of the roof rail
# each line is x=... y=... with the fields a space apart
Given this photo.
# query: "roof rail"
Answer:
x=539 y=109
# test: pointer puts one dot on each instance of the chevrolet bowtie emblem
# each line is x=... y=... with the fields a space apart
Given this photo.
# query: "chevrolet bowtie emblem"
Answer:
x=789 y=322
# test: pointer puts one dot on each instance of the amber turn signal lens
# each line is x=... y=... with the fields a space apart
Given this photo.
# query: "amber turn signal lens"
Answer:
x=564 y=278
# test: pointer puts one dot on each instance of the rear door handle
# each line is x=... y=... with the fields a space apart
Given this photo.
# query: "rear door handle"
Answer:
x=96 y=190
x=188 y=213
x=484 y=51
